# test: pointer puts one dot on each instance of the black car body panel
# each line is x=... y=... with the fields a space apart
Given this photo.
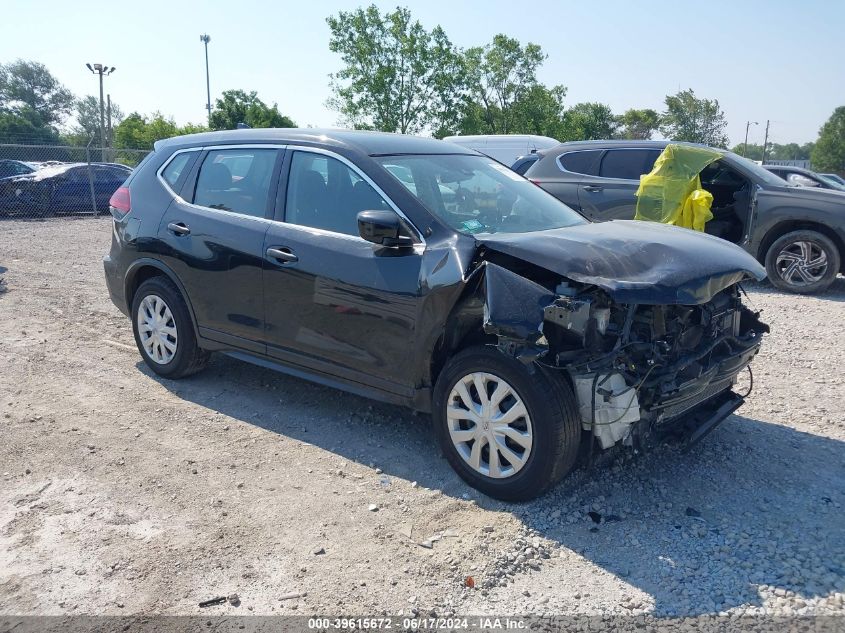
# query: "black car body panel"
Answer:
x=381 y=321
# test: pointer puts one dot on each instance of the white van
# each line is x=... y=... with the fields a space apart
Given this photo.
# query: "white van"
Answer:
x=505 y=148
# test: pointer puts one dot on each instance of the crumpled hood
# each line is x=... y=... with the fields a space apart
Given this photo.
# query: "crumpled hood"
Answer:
x=634 y=261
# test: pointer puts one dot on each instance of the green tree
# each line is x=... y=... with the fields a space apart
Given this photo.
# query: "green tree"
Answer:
x=638 y=124
x=499 y=79
x=754 y=151
x=688 y=118
x=397 y=76
x=25 y=125
x=829 y=151
x=775 y=151
x=30 y=85
x=139 y=132
x=540 y=111
x=192 y=128
x=587 y=121
x=87 y=115
x=238 y=106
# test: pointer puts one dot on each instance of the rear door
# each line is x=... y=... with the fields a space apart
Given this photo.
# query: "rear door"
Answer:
x=336 y=303
x=611 y=193
x=213 y=236
x=568 y=173
x=72 y=191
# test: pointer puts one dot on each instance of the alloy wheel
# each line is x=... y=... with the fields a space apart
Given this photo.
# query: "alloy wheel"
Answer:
x=489 y=425
x=801 y=263
x=157 y=329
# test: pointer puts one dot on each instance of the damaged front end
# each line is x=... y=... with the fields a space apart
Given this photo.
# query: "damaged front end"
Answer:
x=638 y=370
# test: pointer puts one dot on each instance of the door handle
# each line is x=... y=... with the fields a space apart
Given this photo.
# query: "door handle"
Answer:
x=179 y=228
x=282 y=254
x=592 y=188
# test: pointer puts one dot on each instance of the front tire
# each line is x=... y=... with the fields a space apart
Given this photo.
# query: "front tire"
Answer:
x=803 y=262
x=163 y=330
x=507 y=432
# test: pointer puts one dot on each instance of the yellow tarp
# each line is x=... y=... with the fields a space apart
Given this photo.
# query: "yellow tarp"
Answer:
x=671 y=193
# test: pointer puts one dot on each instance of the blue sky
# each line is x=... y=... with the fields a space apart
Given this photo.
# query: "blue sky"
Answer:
x=780 y=60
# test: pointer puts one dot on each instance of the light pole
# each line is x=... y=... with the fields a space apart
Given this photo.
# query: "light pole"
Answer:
x=765 y=143
x=205 y=39
x=745 y=147
x=101 y=70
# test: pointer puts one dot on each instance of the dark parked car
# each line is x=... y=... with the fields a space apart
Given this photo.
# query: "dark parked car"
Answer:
x=15 y=168
x=335 y=256
x=797 y=233
x=61 y=188
x=523 y=163
x=803 y=177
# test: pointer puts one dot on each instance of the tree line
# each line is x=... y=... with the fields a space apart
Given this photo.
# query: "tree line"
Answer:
x=397 y=76
x=34 y=107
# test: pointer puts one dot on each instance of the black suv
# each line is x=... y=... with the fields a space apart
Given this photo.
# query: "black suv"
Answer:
x=797 y=233
x=419 y=273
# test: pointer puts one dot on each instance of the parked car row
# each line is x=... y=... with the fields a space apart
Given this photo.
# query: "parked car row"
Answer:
x=43 y=189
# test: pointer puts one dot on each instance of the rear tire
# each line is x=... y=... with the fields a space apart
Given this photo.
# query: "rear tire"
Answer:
x=532 y=455
x=803 y=262
x=163 y=330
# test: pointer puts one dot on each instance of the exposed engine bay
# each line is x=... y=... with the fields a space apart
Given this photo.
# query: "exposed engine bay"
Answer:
x=637 y=369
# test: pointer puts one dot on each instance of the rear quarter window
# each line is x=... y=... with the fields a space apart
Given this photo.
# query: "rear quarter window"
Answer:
x=175 y=168
x=581 y=161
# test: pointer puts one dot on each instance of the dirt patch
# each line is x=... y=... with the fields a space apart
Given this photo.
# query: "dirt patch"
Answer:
x=122 y=492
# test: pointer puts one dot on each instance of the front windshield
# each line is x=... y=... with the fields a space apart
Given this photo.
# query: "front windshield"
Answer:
x=474 y=194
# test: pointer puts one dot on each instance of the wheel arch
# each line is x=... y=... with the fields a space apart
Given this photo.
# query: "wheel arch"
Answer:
x=782 y=228
x=143 y=269
x=463 y=328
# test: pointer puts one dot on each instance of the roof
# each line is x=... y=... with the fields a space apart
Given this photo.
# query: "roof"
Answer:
x=372 y=143
x=630 y=143
x=795 y=168
x=500 y=137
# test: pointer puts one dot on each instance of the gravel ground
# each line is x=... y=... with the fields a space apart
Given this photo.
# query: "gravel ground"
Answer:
x=125 y=493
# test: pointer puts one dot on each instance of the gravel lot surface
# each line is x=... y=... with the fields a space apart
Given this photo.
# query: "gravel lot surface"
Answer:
x=121 y=492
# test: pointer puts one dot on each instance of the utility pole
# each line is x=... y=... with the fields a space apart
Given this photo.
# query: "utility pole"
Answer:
x=108 y=125
x=765 y=143
x=101 y=70
x=745 y=147
x=205 y=39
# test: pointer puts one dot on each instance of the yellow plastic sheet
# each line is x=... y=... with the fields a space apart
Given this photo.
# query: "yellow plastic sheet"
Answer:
x=671 y=193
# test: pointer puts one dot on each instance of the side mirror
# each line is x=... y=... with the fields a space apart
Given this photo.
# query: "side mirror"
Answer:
x=383 y=228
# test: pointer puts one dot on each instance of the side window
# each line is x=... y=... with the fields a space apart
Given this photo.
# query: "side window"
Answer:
x=628 y=164
x=175 y=168
x=326 y=194
x=583 y=162
x=77 y=175
x=236 y=180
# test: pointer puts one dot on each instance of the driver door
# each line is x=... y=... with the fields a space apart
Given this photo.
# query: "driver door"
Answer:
x=335 y=303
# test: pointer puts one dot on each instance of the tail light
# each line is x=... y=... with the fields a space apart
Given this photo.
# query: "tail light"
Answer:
x=120 y=200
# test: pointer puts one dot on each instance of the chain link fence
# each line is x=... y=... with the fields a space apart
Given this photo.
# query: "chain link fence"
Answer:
x=43 y=181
